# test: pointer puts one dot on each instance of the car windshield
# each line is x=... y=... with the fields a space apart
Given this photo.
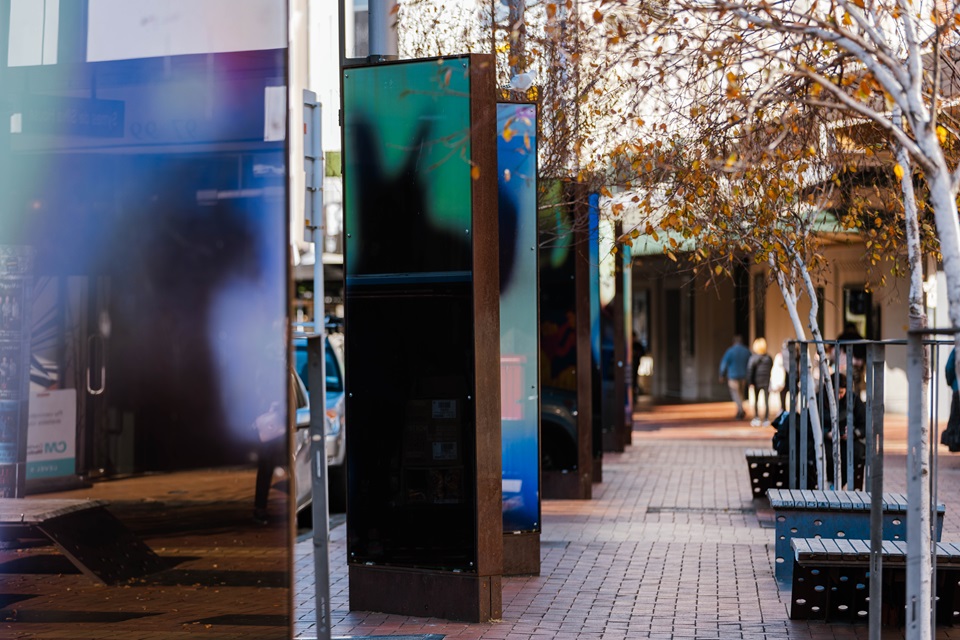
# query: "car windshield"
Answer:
x=333 y=373
x=334 y=380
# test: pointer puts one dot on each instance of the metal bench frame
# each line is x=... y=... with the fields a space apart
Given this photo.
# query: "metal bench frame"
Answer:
x=831 y=581
x=832 y=515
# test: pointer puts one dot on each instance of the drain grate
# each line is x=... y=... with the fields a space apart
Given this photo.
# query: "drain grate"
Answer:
x=700 y=510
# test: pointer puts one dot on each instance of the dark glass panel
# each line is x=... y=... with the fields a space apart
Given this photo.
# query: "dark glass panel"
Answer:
x=412 y=427
x=143 y=233
x=558 y=335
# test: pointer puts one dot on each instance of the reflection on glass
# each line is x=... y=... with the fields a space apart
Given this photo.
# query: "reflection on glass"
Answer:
x=407 y=175
x=519 y=384
x=143 y=315
x=412 y=488
x=596 y=362
x=608 y=289
x=409 y=312
x=558 y=334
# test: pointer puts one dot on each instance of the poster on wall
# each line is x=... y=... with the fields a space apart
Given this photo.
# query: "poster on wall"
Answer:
x=9 y=429
x=11 y=309
x=519 y=379
x=51 y=435
x=16 y=266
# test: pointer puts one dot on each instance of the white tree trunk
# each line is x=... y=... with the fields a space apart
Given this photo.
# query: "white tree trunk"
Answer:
x=790 y=299
x=826 y=380
x=919 y=578
x=943 y=201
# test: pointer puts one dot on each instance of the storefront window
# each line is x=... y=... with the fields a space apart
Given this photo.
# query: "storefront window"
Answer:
x=143 y=291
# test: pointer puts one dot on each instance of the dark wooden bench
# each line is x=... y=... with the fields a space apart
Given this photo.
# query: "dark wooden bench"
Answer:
x=94 y=540
x=768 y=470
x=834 y=515
x=831 y=581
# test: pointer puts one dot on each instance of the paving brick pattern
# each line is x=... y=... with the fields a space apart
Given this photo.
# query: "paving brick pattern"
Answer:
x=670 y=547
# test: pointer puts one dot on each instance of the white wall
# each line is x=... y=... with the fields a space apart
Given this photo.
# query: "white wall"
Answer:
x=324 y=74
x=127 y=29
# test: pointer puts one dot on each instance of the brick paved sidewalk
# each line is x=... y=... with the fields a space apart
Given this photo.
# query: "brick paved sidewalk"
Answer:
x=670 y=547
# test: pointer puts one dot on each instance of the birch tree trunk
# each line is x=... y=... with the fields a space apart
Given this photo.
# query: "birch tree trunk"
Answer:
x=826 y=380
x=790 y=299
x=919 y=579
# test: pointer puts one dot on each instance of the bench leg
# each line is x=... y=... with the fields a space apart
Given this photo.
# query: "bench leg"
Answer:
x=829 y=593
x=840 y=594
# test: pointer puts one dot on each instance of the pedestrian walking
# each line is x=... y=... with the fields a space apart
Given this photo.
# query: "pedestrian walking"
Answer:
x=733 y=371
x=759 y=368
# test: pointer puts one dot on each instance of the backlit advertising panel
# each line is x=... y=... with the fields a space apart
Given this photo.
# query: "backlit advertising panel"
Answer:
x=407 y=176
x=409 y=299
x=519 y=362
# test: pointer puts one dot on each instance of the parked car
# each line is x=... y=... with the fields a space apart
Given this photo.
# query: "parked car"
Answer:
x=333 y=428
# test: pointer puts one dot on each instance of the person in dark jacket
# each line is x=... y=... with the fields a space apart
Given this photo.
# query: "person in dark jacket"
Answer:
x=859 y=433
x=758 y=375
x=733 y=371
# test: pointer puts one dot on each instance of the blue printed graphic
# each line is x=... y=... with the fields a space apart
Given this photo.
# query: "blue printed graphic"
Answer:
x=519 y=386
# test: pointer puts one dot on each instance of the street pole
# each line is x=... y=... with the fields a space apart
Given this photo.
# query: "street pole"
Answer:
x=918 y=497
x=383 y=29
x=316 y=361
x=876 y=356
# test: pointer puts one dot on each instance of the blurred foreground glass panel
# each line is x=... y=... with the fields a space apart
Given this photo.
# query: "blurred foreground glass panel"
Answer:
x=143 y=318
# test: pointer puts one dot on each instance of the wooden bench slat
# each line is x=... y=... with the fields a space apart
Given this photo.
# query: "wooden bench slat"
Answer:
x=830 y=546
x=846 y=500
x=835 y=500
x=841 y=550
x=822 y=501
x=775 y=496
x=894 y=502
x=953 y=549
x=849 y=553
x=862 y=548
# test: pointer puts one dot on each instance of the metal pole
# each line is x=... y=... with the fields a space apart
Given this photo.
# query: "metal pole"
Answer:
x=918 y=498
x=875 y=360
x=792 y=368
x=316 y=214
x=316 y=363
x=804 y=416
x=383 y=31
x=836 y=461
x=318 y=465
x=851 y=396
x=933 y=394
